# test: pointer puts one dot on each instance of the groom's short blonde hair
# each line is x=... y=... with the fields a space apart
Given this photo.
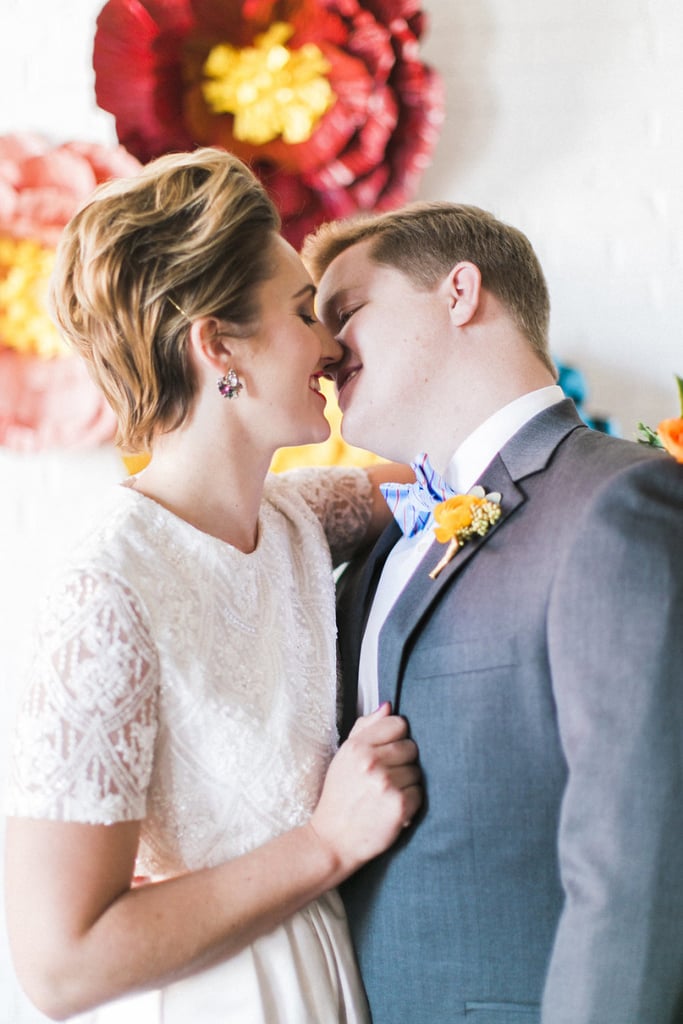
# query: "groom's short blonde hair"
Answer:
x=426 y=240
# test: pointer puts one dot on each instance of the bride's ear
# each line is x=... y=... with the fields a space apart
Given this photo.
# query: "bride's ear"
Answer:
x=210 y=343
x=463 y=286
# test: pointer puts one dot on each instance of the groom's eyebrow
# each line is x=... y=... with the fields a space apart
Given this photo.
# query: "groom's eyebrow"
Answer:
x=328 y=310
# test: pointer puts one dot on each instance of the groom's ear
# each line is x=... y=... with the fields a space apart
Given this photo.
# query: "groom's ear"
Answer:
x=463 y=289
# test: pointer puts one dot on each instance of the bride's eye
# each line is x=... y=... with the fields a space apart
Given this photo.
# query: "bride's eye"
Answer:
x=308 y=318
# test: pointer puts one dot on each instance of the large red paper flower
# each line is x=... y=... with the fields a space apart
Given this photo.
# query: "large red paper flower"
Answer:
x=327 y=100
x=46 y=397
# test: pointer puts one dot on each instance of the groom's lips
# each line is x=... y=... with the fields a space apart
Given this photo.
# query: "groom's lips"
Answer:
x=344 y=377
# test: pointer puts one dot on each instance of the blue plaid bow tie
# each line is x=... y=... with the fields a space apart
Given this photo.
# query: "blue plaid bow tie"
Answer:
x=412 y=504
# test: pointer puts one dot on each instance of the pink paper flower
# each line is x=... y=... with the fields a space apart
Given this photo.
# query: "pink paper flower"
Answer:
x=42 y=185
x=327 y=100
x=50 y=403
x=46 y=397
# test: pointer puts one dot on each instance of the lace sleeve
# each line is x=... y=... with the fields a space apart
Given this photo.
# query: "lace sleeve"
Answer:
x=85 y=732
x=341 y=498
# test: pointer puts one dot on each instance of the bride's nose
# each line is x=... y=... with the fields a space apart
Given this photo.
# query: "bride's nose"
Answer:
x=332 y=351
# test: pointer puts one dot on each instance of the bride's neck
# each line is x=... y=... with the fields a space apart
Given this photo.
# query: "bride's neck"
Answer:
x=215 y=488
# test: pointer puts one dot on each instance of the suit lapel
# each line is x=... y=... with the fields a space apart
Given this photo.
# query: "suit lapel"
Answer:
x=355 y=591
x=421 y=592
x=527 y=452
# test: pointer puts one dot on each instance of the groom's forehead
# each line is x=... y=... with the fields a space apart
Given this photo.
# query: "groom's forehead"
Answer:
x=352 y=273
x=345 y=275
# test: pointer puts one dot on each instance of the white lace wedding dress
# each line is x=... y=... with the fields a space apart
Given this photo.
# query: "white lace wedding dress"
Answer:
x=184 y=683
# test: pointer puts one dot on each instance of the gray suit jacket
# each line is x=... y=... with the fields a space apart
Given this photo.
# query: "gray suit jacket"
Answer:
x=542 y=677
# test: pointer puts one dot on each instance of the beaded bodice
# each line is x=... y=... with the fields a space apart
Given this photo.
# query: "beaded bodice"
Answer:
x=184 y=683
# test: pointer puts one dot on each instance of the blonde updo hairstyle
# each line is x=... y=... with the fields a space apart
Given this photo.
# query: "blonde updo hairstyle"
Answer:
x=188 y=237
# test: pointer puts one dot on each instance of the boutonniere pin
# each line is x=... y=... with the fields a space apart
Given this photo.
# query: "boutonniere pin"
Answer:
x=462 y=517
x=669 y=433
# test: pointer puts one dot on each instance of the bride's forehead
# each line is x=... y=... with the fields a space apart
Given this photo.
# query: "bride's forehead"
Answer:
x=288 y=272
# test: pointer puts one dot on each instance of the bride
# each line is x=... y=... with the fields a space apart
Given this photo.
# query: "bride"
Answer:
x=178 y=816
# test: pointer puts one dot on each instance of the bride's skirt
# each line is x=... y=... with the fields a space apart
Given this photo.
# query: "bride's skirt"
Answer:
x=303 y=972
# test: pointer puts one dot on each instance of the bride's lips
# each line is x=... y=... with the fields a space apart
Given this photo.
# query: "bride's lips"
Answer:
x=314 y=386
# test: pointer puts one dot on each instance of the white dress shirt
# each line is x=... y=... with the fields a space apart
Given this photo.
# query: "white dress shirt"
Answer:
x=464 y=469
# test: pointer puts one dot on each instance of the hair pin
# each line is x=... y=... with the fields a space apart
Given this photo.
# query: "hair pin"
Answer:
x=179 y=308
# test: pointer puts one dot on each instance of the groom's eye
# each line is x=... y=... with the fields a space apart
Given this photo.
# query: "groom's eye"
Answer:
x=344 y=316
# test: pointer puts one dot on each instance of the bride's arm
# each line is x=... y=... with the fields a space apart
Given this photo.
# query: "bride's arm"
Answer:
x=384 y=472
x=81 y=934
x=347 y=501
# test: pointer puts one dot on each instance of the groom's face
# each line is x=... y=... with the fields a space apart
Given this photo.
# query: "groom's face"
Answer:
x=389 y=331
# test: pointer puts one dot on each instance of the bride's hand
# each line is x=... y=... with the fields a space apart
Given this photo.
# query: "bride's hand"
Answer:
x=372 y=790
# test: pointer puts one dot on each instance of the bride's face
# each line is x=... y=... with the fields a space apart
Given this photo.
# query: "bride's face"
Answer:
x=288 y=352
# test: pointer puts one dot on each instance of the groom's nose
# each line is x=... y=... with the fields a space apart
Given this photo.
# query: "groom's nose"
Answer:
x=338 y=369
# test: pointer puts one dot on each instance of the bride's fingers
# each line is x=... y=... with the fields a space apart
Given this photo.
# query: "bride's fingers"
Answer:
x=405 y=776
x=378 y=729
x=413 y=797
x=397 y=752
x=365 y=721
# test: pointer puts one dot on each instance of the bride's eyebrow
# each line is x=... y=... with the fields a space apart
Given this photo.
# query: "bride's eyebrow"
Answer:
x=308 y=289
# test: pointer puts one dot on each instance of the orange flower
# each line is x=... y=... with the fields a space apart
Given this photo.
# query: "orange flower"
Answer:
x=454 y=515
x=670 y=433
x=462 y=517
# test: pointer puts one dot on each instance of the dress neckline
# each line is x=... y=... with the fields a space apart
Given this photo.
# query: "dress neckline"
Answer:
x=164 y=514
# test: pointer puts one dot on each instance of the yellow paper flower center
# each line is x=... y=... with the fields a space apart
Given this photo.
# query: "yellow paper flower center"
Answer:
x=25 y=268
x=270 y=89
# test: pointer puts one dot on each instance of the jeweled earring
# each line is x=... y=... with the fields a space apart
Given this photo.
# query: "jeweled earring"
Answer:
x=229 y=384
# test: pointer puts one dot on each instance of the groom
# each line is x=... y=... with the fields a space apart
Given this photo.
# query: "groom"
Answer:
x=540 y=670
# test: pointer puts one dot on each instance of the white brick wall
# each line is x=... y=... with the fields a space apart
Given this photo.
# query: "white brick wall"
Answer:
x=564 y=118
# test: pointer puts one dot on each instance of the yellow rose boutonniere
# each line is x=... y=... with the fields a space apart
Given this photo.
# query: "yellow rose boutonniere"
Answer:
x=462 y=517
x=669 y=433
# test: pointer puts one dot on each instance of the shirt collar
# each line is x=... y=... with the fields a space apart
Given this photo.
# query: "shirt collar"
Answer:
x=476 y=451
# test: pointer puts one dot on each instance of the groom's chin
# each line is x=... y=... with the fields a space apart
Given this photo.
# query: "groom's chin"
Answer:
x=353 y=434
x=360 y=428
x=365 y=440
